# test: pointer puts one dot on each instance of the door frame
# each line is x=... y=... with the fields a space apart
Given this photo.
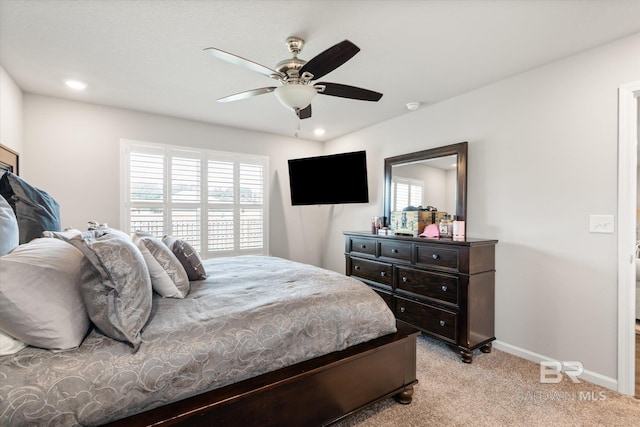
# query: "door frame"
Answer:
x=627 y=207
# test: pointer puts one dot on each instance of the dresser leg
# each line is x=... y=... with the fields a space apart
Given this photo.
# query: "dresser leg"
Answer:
x=486 y=348
x=404 y=397
x=466 y=356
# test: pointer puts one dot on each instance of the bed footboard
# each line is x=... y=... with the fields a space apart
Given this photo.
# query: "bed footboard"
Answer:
x=312 y=393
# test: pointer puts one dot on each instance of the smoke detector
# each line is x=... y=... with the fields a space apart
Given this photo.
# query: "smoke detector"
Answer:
x=413 y=106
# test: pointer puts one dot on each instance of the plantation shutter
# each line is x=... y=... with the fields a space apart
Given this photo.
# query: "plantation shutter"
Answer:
x=215 y=201
x=406 y=192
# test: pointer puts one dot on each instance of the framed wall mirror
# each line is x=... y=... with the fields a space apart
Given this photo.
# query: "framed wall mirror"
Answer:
x=436 y=177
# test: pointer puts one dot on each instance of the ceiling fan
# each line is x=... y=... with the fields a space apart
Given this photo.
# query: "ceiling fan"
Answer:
x=297 y=76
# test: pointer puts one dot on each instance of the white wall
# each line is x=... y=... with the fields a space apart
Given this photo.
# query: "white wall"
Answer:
x=10 y=113
x=71 y=150
x=542 y=158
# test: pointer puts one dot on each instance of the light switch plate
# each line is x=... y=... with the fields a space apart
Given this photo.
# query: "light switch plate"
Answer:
x=601 y=224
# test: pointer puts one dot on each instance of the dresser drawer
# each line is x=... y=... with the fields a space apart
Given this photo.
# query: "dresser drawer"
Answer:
x=442 y=287
x=437 y=256
x=362 y=246
x=434 y=320
x=395 y=250
x=371 y=270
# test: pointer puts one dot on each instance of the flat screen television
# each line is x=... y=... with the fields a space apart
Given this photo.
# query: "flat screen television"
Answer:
x=328 y=180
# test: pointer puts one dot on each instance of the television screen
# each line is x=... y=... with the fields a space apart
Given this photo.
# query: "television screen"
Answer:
x=327 y=180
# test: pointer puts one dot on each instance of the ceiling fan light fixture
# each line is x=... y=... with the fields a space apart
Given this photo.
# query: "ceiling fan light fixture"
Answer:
x=296 y=96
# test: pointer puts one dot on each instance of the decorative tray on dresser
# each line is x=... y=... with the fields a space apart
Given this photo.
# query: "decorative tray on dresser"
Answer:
x=443 y=287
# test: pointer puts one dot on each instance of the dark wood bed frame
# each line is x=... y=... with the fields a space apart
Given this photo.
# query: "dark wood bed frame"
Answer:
x=317 y=392
x=9 y=160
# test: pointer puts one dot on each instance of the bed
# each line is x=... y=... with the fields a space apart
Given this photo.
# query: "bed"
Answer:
x=259 y=341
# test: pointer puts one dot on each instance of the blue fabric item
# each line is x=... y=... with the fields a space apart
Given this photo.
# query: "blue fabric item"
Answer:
x=36 y=211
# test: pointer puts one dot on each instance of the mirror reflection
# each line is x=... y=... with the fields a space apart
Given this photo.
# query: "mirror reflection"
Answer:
x=436 y=177
x=430 y=183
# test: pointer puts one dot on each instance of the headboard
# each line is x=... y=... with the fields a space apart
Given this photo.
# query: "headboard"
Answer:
x=9 y=160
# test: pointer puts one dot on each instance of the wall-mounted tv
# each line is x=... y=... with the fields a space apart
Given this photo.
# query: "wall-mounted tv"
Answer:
x=328 y=180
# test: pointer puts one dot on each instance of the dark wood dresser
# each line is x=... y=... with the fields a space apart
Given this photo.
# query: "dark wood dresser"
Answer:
x=443 y=287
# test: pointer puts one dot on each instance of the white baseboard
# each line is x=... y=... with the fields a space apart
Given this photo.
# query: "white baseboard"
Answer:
x=590 y=376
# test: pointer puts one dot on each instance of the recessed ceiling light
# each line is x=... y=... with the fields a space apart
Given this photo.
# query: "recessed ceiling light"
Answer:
x=318 y=132
x=76 y=85
x=413 y=106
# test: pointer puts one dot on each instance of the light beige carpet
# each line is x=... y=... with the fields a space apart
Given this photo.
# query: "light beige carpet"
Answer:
x=497 y=389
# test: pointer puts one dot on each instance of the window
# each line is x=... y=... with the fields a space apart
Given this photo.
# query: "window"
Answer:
x=406 y=192
x=214 y=200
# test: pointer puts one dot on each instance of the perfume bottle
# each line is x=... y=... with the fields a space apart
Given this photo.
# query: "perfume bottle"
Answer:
x=376 y=224
x=446 y=226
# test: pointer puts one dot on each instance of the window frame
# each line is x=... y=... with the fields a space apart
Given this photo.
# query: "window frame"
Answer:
x=204 y=206
x=410 y=182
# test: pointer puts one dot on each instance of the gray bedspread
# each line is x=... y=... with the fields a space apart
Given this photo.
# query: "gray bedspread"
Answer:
x=253 y=314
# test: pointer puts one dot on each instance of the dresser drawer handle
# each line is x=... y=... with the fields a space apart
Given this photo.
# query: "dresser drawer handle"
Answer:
x=363 y=246
x=405 y=279
x=356 y=267
x=435 y=256
x=394 y=251
x=442 y=323
x=383 y=273
x=444 y=288
x=402 y=309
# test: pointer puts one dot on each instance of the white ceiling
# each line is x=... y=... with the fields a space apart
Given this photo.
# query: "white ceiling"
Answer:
x=148 y=55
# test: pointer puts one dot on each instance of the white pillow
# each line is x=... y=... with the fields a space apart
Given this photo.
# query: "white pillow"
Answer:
x=168 y=276
x=8 y=228
x=10 y=345
x=40 y=299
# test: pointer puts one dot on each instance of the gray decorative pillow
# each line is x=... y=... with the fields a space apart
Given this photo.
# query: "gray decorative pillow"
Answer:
x=187 y=256
x=168 y=276
x=36 y=211
x=117 y=292
x=8 y=228
x=40 y=298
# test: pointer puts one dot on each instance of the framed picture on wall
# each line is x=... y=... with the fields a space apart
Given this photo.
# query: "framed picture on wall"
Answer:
x=9 y=160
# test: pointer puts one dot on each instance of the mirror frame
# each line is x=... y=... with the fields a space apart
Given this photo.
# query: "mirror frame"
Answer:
x=459 y=150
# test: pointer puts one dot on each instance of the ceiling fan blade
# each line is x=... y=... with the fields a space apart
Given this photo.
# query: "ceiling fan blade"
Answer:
x=304 y=113
x=330 y=59
x=247 y=94
x=245 y=63
x=345 y=91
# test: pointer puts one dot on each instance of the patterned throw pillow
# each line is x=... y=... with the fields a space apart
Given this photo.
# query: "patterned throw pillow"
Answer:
x=187 y=256
x=168 y=276
x=117 y=292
